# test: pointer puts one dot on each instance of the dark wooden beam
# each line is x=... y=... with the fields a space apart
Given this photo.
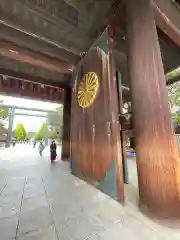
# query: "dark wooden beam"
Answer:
x=23 y=88
x=165 y=24
x=173 y=80
x=170 y=52
x=65 y=155
x=38 y=45
x=28 y=77
x=37 y=59
x=116 y=14
x=115 y=17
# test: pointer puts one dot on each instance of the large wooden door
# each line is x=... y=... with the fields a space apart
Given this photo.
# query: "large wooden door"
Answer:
x=95 y=140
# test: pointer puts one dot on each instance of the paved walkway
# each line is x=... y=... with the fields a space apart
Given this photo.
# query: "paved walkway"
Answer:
x=40 y=201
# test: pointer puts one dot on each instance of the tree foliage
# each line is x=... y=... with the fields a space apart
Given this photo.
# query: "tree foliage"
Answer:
x=4 y=113
x=174 y=73
x=3 y=116
x=41 y=133
x=174 y=100
x=19 y=132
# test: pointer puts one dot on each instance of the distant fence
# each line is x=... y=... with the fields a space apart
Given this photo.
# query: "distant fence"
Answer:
x=178 y=142
x=3 y=143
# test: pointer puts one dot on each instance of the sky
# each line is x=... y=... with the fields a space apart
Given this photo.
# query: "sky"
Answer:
x=32 y=124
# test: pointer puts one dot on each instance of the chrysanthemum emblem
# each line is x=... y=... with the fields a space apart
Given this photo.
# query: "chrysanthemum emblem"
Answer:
x=87 y=90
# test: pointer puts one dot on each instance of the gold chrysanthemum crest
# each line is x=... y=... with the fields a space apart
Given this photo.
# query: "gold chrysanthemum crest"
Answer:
x=87 y=89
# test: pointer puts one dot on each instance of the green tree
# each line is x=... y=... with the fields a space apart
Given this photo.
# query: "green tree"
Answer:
x=4 y=113
x=174 y=100
x=19 y=132
x=41 y=133
x=174 y=73
x=3 y=116
x=174 y=94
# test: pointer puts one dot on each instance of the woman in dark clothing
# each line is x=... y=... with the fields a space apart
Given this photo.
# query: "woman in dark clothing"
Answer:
x=53 y=151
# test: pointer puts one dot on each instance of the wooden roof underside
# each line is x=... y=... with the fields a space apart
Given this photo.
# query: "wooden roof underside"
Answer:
x=43 y=40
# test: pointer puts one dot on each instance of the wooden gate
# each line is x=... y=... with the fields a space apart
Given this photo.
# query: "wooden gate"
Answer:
x=95 y=139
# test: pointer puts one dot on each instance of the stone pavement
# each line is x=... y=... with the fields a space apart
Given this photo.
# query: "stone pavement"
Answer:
x=40 y=201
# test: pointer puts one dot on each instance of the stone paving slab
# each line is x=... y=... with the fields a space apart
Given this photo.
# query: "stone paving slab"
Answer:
x=46 y=234
x=40 y=201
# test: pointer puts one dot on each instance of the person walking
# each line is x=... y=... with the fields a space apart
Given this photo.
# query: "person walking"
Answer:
x=41 y=148
x=53 y=152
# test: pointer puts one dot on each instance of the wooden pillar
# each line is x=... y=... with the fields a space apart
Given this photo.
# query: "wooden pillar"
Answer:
x=156 y=148
x=66 y=125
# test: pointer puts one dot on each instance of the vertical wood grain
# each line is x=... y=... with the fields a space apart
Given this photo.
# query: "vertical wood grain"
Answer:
x=66 y=125
x=95 y=140
x=157 y=155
